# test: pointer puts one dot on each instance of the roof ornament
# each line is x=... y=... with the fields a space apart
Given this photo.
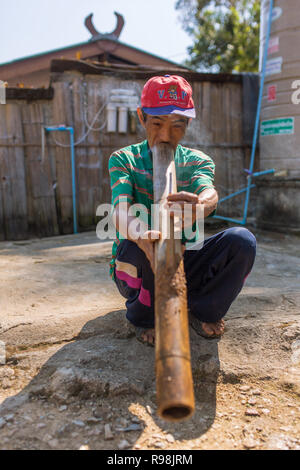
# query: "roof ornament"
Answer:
x=96 y=35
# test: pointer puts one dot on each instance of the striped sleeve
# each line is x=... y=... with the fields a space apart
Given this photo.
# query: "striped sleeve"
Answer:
x=202 y=173
x=120 y=180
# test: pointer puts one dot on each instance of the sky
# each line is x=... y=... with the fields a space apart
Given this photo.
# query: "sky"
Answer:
x=33 y=26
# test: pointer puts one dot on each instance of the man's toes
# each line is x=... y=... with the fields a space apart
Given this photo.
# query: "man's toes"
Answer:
x=207 y=328
x=218 y=331
x=148 y=336
x=219 y=327
x=214 y=328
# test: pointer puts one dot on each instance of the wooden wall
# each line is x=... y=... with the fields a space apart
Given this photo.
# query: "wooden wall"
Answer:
x=36 y=189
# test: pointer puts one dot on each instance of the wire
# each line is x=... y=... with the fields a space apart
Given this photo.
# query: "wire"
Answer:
x=89 y=126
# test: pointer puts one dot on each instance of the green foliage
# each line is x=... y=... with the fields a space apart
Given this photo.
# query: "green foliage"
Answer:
x=225 y=34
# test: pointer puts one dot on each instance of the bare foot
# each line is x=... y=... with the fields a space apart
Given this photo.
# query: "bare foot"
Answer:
x=148 y=336
x=214 y=328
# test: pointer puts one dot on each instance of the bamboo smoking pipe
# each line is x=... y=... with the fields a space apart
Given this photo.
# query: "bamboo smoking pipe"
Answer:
x=174 y=382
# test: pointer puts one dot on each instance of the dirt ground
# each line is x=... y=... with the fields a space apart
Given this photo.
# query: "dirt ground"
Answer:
x=75 y=377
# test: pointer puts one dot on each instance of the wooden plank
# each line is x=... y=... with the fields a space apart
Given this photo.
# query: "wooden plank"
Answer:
x=3 y=157
x=12 y=177
x=206 y=112
x=41 y=197
x=81 y=154
x=226 y=113
x=216 y=113
x=27 y=120
x=58 y=66
x=62 y=115
x=96 y=103
x=29 y=94
x=196 y=131
x=236 y=112
x=50 y=155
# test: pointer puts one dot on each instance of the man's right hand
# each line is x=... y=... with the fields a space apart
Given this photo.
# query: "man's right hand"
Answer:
x=146 y=243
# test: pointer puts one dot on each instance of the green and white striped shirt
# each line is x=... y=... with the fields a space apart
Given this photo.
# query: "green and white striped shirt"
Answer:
x=131 y=177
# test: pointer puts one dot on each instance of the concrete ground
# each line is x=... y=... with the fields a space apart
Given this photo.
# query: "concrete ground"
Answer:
x=75 y=376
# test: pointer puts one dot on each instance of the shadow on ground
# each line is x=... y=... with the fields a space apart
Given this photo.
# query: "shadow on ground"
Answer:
x=105 y=376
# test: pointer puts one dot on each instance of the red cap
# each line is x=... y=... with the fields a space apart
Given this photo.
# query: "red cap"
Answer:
x=170 y=94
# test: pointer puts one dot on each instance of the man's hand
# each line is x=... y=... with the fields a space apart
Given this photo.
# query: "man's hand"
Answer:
x=144 y=239
x=208 y=199
x=178 y=203
x=146 y=243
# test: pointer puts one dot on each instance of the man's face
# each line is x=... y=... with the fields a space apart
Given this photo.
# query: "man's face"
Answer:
x=164 y=129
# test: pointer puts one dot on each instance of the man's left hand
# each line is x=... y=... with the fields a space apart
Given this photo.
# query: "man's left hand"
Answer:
x=208 y=199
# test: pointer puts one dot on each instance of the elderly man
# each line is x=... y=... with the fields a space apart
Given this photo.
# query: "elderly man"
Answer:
x=215 y=273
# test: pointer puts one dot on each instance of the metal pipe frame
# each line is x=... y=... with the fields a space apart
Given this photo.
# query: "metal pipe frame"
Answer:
x=254 y=142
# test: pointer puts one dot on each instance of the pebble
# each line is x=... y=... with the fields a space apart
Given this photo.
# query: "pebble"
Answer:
x=286 y=428
x=108 y=435
x=135 y=420
x=170 y=438
x=93 y=420
x=252 y=412
x=277 y=443
x=84 y=447
x=78 y=422
x=123 y=422
x=250 y=443
x=63 y=408
x=6 y=372
x=41 y=425
x=149 y=409
x=97 y=431
x=244 y=388
x=265 y=411
x=131 y=427
x=123 y=444
x=65 y=428
x=252 y=401
x=53 y=443
x=267 y=400
x=160 y=445
x=9 y=418
x=6 y=384
x=256 y=391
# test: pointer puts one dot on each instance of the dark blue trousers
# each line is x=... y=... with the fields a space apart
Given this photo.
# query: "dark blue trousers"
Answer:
x=215 y=275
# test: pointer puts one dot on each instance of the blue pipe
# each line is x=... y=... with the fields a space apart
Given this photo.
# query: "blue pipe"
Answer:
x=254 y=142
x=241 y=222
x=71 y=130
x=261 y=89
x=258 y=173
x=235 y=194
x=265 y=172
